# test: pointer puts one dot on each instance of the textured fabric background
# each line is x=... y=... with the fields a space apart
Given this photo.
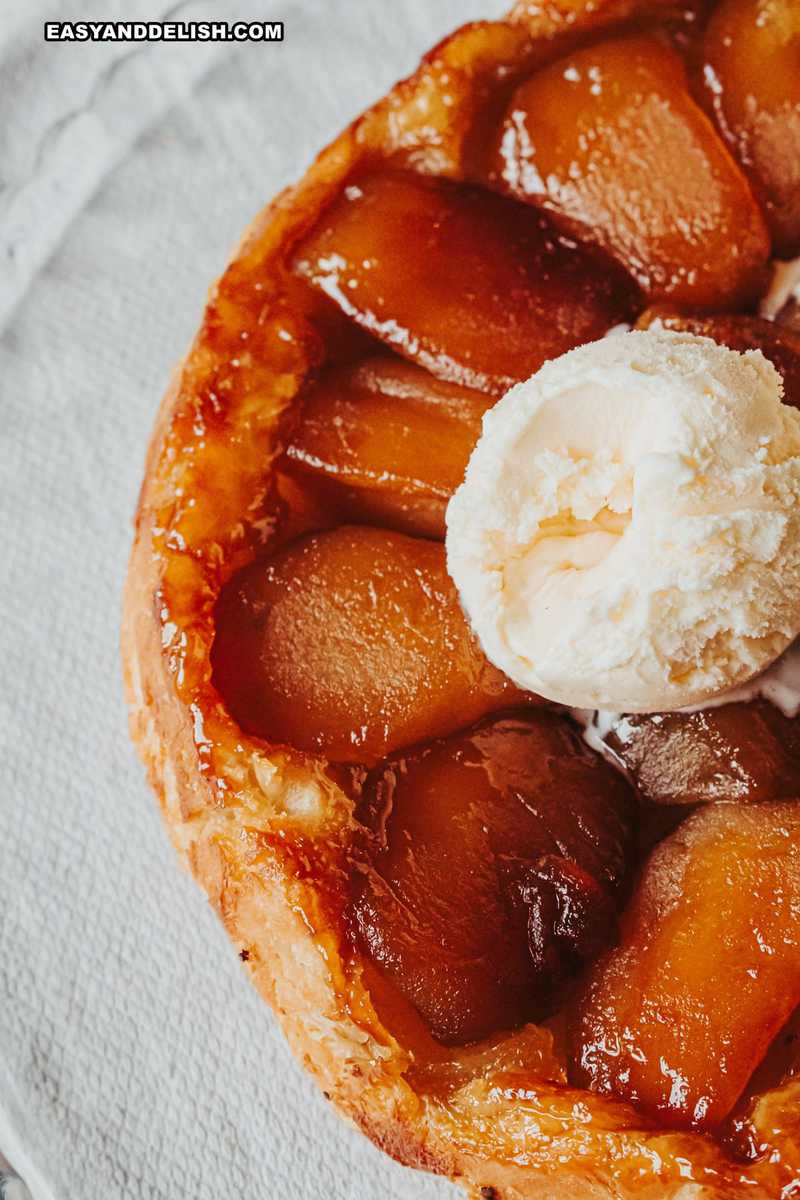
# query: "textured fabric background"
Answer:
x=135 y=1061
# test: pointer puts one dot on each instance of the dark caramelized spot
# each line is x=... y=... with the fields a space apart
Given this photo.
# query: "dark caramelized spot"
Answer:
x=779 y=343
x=751 y=71
x=351 y=643
x=493 y=859
x=610 y=141
x=388 y=442
x=676 y=1018
x=656 y=821
x=477 y=289
x=747 y=751
x=571 y=917
x=788 y=316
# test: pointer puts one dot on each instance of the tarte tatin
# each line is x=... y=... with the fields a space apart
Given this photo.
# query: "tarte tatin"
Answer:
x=534 y=968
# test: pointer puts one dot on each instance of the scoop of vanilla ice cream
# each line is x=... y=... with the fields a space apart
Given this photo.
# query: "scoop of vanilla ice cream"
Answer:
x=627 y=535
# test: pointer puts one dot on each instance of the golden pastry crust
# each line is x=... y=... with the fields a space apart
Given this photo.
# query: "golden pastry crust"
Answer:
x=263 y=829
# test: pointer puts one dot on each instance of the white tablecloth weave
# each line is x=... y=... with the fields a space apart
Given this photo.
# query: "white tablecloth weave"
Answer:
x=135 y=1060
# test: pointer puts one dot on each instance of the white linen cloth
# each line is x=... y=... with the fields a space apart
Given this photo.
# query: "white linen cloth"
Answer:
x=135 y=1059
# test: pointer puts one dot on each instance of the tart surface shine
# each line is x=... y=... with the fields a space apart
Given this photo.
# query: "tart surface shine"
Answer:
x=510 y=959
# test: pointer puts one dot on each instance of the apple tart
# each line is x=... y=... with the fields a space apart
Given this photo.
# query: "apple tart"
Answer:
x=531 y=960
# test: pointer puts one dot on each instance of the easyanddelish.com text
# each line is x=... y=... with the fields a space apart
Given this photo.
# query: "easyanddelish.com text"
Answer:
x=163 y=31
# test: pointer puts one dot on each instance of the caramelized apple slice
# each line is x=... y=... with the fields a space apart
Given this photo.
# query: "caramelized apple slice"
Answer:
x=751 y=72
x=707 y=971
x=608 y=139
x=493 y=862
x=744 y=751
x=389 y=441
x=477 y=289
x=779 y=343
x=351 y=643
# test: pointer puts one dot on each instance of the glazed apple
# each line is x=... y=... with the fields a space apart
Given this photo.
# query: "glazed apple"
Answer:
x=472 y=286
x=388 y=442
x=707 y=971
x=746 y=751
x=609 y=140
x=492 y=870
x=351 y=643
x=751 y=73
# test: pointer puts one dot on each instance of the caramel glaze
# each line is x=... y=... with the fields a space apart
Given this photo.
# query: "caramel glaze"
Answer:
x=276 y=324
x=491 y=870
x=653 y=1023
